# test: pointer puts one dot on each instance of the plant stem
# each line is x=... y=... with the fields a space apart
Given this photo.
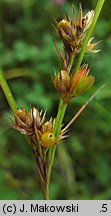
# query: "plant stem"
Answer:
x=71 y=60
x=58 y=116
x=7 y=93
x=45 y=190
x=62 y=106
x=57 y=128
x=88 y=34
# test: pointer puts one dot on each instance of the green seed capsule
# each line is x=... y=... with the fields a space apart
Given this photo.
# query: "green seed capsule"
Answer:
x=48 y=139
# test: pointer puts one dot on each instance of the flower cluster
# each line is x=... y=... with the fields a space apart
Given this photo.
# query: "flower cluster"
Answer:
x=34 y=125
x=70 y=86
x=72 y=33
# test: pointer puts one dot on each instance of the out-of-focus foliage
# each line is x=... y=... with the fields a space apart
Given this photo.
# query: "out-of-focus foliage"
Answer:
x=27 y=56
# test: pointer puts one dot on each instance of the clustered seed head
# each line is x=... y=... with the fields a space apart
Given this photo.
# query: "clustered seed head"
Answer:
x=70 y=86
x=73 y=32
x=34 y=125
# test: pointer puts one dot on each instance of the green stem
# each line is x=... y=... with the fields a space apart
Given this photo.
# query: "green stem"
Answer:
x=61 y=116
x=58 y=116
x=7 y=93
x=57 y=128
x=88 y=34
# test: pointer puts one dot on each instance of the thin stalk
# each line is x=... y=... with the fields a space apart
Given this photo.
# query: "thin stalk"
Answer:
x=45 y=189
x=7 y=93
x=88 y=34
x=58 y=122
x=45 y=193
x=61 y=113
x=58 y=116
x=71 y=60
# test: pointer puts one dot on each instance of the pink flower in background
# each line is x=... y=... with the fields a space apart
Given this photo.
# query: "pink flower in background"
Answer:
x=59 y=2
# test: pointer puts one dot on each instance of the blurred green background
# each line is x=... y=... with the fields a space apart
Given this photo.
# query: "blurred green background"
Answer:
x=82 y=168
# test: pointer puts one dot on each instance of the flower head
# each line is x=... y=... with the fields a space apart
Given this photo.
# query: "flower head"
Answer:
x=73 y=32
x=34 y=125
x=70 y=86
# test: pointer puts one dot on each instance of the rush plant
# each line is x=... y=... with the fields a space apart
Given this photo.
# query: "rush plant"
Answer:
x=72 y=80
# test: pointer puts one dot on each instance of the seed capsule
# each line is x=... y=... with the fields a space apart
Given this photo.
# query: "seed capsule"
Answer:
x=21 y=113
x=48 y=139
x=62 y=83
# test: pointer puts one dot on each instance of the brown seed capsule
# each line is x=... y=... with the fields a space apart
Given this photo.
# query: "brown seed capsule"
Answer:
x=21 y=113
x=23 y=122
x=29 y=119
x=65 y=30
x=62 y=83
